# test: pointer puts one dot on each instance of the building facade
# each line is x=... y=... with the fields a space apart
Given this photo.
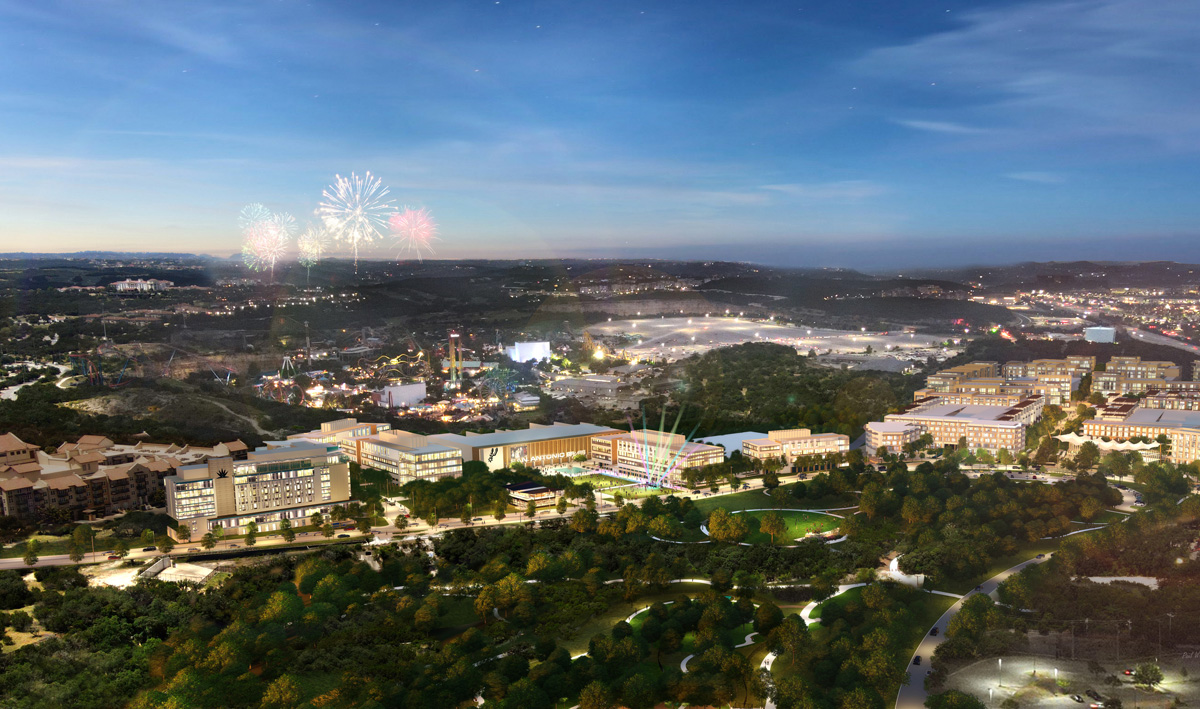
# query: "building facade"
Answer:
x=795 y=443
x=272 y=484
x=653 y=457
x=537 y=446
x=409 y=456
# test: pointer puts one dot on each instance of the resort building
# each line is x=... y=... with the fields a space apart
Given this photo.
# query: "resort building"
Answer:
x=537 y=446
x=93 y=476
x=1131 y=375
x=653 y=456
x=345 y=433
x=795 y=443
x=944 y=380
x=272 y=484
x=1075 y=366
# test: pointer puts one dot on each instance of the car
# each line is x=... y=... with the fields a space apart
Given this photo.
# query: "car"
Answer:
x=1040 y=556
x=113 y=557
x=343 y=536
x=917 y=660
x=477 y=519
x=1128 y=672
x=1077 y=698
x=150 y=548
x=193 y=548
x=234 y=546
x=1094 y=695
x=1096 y=705
x=934 y=631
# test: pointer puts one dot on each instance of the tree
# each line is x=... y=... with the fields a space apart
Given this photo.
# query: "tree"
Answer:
x=283 y=693
x=166 y=545
x=595 y=696
x=327 y=530
x=773 y=524
x=208 y=541
x=251 y=533
x=770 y=480
x=619 y=500
x=285 y=528
x=954 y=699
x=791 y=637
x=1148 y=675
x=316 y=519
x=401 y=522
x=120 y=548
x=1088 y=455
x=531 y=510
x=31 y=550
x=147 y=537
x=1010 y=703
x=561 y=506
x=501 y=506
x=725 y=527
x=75 y=552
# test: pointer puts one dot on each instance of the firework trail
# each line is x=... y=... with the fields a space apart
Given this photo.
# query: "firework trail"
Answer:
x=415 y=231
x=354 y=210
x=311 y=246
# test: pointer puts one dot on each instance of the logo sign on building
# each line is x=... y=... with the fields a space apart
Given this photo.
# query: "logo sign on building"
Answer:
x=494 y=457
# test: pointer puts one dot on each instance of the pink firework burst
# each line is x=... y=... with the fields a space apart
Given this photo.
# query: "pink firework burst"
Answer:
x=415 y=231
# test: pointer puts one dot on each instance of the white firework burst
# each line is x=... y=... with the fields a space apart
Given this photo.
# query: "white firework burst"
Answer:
x=354 y=210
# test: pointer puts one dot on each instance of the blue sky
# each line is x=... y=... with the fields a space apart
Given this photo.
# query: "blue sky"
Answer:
x=869 y=133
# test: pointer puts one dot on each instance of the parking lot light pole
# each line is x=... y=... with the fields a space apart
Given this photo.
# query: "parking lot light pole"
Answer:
x=1000 y=670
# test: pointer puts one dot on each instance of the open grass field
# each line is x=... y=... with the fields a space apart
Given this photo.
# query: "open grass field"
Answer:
x=603 y=623
x=798 y=524
x=757 y=499
x=599 y=482
x=854 y=595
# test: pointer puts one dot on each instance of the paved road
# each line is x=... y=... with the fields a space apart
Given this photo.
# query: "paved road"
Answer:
x=913 y=695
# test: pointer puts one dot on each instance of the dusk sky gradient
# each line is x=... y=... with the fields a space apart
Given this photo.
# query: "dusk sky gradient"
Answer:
x=868 y=133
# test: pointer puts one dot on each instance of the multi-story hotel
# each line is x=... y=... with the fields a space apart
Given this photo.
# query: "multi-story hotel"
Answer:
x=274 y=483
x=795 y=443
x=409 y=456
x=989 y=427
x=537 y=446
x=944 y=380
x=1074 y=366
x=653 y=456
x=985 y=383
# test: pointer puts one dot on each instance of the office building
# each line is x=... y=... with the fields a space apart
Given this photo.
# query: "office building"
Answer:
x=795 y=443
x=538 y=446
x=409 y=456
x=273 y=483
x=395 y=396
x=1100 y=334
x=653 y=456
x=595 y=385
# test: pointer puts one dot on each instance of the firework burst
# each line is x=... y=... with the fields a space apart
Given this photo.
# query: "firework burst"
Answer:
x=265 y=237
x=312 y=245
x=354 y=210
x=415 y=231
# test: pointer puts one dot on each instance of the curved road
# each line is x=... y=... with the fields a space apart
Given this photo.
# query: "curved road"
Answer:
x=913 y=695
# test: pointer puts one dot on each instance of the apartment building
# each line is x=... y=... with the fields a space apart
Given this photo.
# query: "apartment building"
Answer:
x=1074 y=366
x=989 y=427
x=653 y=457
x=1003 y=391
x=409 y=456
x=892 y=435
x=1131 y=375
x=273 y=483
x=795 y=443
x=947 y=378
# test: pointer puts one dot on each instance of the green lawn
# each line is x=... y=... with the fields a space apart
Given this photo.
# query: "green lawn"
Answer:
x=757 y=499
x=854 y=595
x=603 y=623
x=1107 y=517
x=798 y=524
x=599 y=482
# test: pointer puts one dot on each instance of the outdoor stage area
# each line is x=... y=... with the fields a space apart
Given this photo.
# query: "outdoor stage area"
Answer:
x=672 y=338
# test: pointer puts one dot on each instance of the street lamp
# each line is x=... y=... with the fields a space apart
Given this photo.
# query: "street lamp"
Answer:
x=1000 y=670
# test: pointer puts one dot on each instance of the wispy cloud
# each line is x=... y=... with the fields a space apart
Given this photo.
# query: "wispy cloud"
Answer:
x=841 y=191
x=1045 y=178
x=942 y=127
x=1068 y=70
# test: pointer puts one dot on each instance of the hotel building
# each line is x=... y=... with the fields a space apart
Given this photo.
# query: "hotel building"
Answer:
x=272 y=484
x=1131 y=375
x=795 y=443
x=653 y=456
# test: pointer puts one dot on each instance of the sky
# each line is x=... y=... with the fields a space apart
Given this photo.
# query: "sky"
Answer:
x=858 y=133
